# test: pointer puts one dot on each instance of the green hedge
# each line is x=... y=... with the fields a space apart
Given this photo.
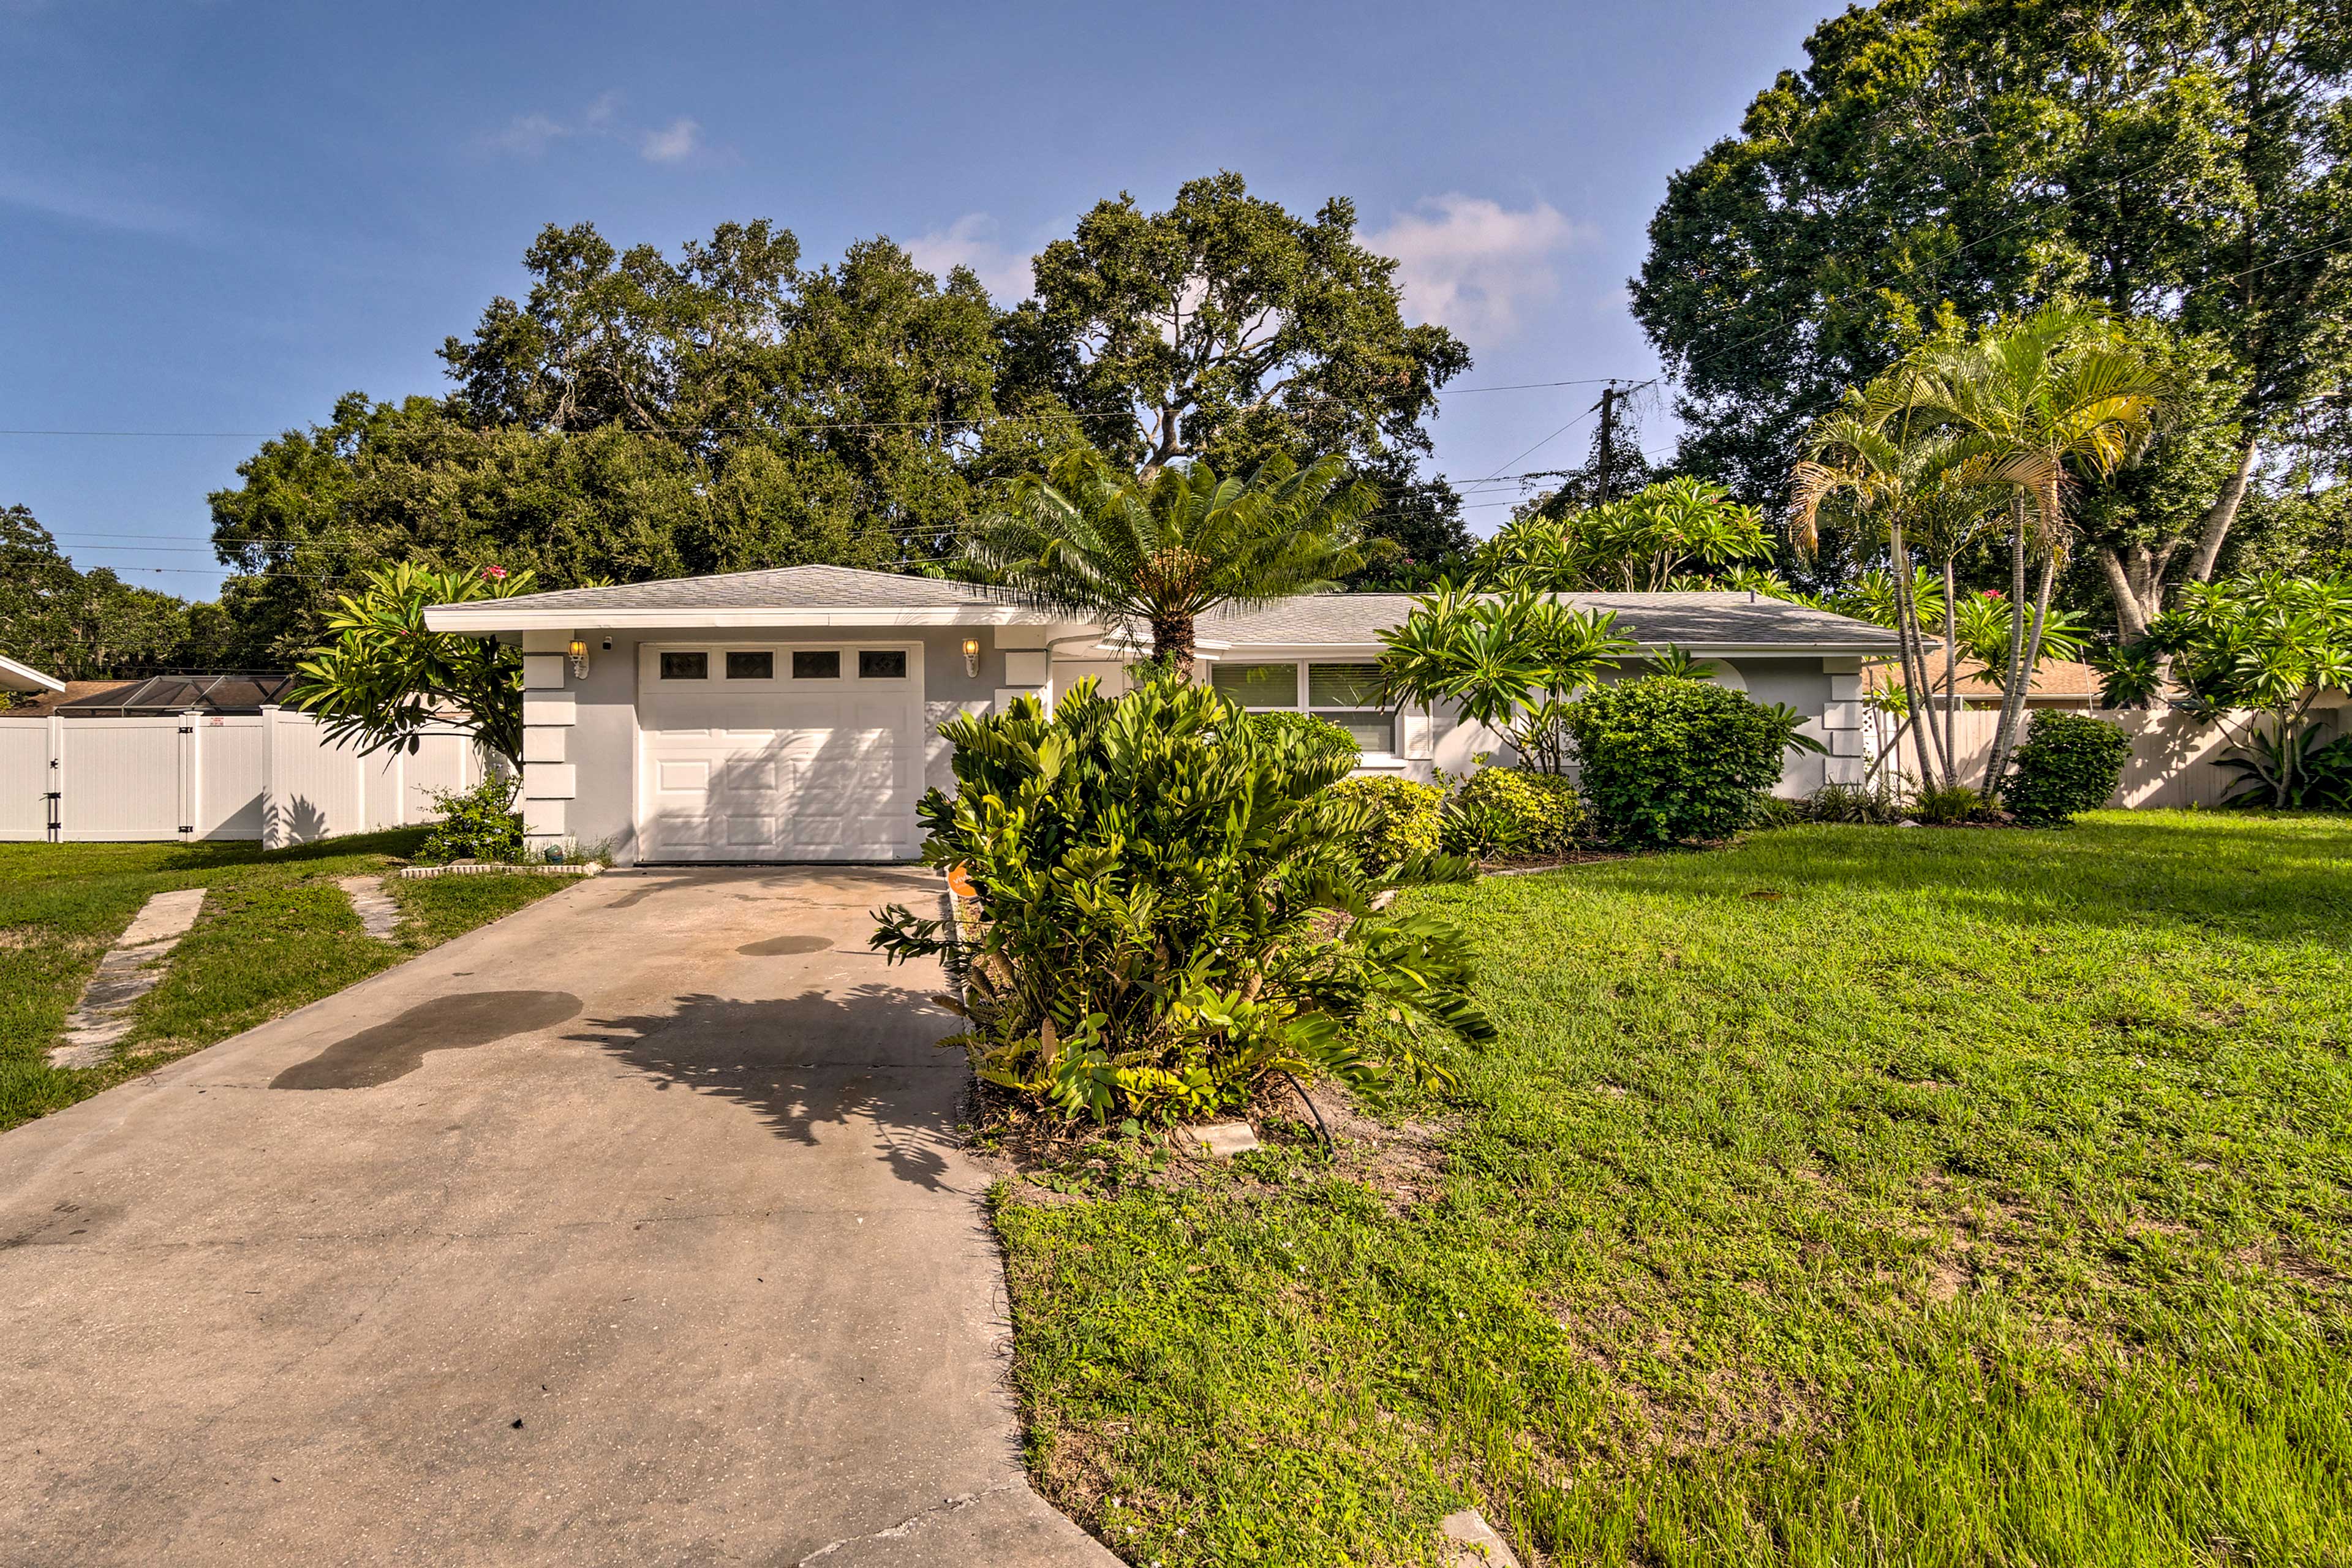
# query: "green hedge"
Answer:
x=1662 y=760
x=1405 y=816
x=2069 y=764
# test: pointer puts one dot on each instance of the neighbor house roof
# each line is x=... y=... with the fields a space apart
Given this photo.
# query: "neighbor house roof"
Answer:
x=1715 y=623
x=780 y=596
x=14 y=677
x=158 y=694
x=844 y=595
x=2053 y=680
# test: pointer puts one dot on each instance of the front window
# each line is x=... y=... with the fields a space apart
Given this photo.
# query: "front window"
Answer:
x=1257 y=685
x=1348 y=695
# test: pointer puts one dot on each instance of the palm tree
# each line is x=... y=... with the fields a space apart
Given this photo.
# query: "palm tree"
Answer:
x=1090 y=540
x=2026 y=403
x=1879 y=459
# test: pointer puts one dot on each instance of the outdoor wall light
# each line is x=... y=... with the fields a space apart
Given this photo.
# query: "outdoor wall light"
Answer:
x=579 y=659
x=971 y=656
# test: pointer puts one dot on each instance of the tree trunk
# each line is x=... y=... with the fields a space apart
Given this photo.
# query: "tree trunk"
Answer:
x=2223 y=513
x=2012 y=703
x=1171 y=644
x=1915 y=659
x=1951 y=671
x=2132 y=611
x=2014 y=667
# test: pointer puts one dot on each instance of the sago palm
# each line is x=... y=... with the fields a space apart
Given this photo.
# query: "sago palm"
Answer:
x=1092 y=541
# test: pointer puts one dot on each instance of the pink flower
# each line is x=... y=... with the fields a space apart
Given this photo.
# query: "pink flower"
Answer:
x=497 y=573
x=1989 y=592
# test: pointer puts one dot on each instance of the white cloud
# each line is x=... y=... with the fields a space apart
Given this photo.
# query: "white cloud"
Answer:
x=80 y=201
x=531 y=135
x=675 y=140
x=970 y=241
x=1472 y=264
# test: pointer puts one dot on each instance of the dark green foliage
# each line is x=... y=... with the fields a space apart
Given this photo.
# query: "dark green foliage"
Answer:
x=1537 y=813
x=1667 y=760
x=87 y=625
x=1403 y=816
x=1159 y=882
x=2294 y=772
x=1319 y=736
x=476 y=824
x=2068 y=765
x=1948 y=806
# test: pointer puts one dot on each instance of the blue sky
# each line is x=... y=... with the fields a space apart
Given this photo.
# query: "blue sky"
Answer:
x=215 y=218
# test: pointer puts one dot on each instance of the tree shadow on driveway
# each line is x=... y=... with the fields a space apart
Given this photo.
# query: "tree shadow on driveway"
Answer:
x=807 y=1061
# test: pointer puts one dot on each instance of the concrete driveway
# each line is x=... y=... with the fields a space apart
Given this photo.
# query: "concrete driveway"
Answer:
x=625 y=1230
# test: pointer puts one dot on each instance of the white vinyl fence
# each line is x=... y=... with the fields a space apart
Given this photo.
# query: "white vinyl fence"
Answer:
x=2175 y=760
x=272 y=775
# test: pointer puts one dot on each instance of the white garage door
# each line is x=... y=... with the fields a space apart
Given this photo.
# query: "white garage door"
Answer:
x=779 y=752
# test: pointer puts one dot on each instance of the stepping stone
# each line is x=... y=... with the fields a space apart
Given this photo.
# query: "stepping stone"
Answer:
x=379 y=914
x=131 y=968
x=1474 y=1543
x=1223 y=1139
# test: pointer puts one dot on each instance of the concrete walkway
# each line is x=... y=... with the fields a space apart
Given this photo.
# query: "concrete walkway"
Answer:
x=132 y=967
x=625 y=1230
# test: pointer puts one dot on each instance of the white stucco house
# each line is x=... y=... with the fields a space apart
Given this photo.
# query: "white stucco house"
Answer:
x=794 y=714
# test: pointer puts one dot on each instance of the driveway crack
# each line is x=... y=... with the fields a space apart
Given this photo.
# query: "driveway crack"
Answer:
x=908 y=1526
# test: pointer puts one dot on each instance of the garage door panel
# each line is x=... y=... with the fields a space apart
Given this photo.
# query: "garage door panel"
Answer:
x=689 y=774
x=783 y=776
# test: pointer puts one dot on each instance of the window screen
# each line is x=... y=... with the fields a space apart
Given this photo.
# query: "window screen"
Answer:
x=760 y=666
x=1343 y=685
x=816 y=664
x=1257 y=685
x=686 y=667
x=882 y=664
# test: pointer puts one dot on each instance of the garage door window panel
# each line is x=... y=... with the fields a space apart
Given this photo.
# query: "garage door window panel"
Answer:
x=751 y=664
x=686 y=667
x=816 y=664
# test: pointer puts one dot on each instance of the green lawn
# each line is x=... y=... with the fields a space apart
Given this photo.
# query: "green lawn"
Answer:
x=1852 y=1196
x=276 y=932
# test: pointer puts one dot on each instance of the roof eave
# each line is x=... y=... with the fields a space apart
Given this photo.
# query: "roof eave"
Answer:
x=16 y=677
x=486 y=619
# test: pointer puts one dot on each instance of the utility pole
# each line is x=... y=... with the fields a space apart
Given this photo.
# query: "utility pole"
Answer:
x=1607 y=446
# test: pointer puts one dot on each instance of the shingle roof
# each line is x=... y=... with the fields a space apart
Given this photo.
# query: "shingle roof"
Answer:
x=776 y=588
x=840 y=594
x=1688 y=620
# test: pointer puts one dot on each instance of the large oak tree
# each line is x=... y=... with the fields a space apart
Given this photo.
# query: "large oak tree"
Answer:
x=1942 y=160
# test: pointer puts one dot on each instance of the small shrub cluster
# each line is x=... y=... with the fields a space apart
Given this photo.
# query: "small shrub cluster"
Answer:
x=1403 y=817
x=1172 y=906
x=1319 y=736
x=1513 y=810
x=1664 y=760
x=476 y=824
x=2068 y=765
x=1947 y=806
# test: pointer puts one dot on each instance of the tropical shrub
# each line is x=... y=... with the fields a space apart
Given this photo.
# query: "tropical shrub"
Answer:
x=1543 y=810
x=1662 y=760
x=1511 y=663
x=476 y=824
x=1305 y=730
x=2069 y=764
x=386 y=677
x=1172 y=906
x=1401 y=816
x=1947 y=806
x=1873 y=804
x=2316 y=777
x=2271 y=642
